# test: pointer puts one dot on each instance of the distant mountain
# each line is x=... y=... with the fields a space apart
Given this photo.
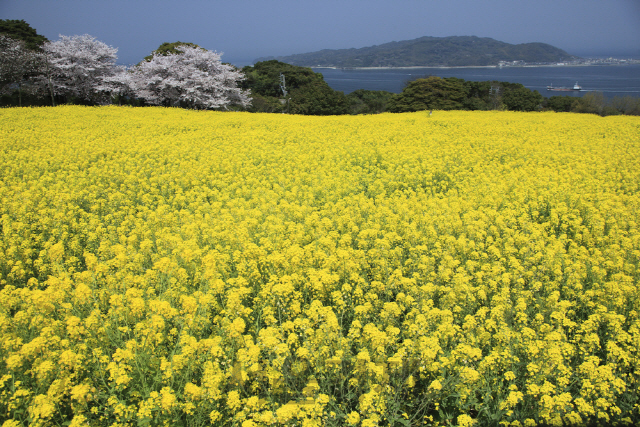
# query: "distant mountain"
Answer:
x=456 y=51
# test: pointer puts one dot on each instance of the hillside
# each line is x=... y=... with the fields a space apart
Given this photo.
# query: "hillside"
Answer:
x=455 y=51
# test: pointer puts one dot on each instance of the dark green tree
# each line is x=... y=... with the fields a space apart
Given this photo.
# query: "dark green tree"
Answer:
x=18 y=65
x=629 y=105
x=592 y=103
x=560 y=104
x=20 y=30
x=432 y=93
x=266 y=104
x=364 y=101
x=481 y=96
x=263 y=78
x=308 y=93
x=516 y=97
x=168 y=49
x=318 y=99
x=21 y=61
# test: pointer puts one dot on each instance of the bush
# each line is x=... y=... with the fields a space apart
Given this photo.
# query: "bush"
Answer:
x=364 y=101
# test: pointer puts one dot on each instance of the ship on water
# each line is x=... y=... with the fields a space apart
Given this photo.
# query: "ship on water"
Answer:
x=565 y=89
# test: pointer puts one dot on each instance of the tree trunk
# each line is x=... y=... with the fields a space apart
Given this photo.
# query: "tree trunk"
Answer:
x=53 y=102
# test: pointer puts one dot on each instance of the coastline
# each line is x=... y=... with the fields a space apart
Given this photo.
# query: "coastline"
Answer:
x=472 y=66
x=612 y=81
x=401 y=68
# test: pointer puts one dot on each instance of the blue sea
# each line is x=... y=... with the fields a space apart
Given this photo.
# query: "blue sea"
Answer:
x=611 y=80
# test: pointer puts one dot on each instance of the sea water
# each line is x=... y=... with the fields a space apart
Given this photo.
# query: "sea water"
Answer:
x=611 y=80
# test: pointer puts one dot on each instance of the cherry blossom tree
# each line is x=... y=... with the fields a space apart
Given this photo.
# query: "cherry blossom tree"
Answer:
x=117 y=85
x=193 y=78
x=18 y=65
x=78 y=66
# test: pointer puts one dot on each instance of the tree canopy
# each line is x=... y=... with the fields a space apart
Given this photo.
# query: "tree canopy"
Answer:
x=18 y=29
x=78 y=65
x=431 y=93
x=318 y=99
x=364 y=101
x=186 y=75
x=18 y=66
x=451 y=93
x=169 y=49
x=308 y=93
x=263 y=78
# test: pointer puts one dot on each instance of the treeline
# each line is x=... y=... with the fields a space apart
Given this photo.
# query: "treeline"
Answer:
x=35 y=71
x=308 y=93
x=83 y=70
x=451 y=93
x=595 y=103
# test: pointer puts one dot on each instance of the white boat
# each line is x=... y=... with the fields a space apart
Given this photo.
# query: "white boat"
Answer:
x=565 y=89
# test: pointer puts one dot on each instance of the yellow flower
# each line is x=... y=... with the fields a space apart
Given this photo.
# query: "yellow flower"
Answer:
x=14 y=361
x=81 y=392
x=42 y=407
x=168 y=399
x=353 y=418
x=287 y=412
x=435 y=385
x=233 y=400
x=56 y=252
x=465 y=420
x=285 y=256
x=214 y=416
x=192 y=391
x=79 y=421
x=410 y=382
x=237 y=327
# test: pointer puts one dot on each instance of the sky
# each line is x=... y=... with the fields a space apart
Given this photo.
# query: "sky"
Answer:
x=244 y=30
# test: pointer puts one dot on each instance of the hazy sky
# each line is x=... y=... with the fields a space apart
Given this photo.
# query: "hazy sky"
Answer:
x=247 y=29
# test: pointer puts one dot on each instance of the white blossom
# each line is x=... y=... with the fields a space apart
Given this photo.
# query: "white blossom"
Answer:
x=194 y=78
x=78 y=66
x=17 y=64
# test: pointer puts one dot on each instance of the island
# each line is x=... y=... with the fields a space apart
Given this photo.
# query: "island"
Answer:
x=454 y=51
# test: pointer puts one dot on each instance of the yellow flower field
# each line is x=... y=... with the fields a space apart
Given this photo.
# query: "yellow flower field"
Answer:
x=172 y=267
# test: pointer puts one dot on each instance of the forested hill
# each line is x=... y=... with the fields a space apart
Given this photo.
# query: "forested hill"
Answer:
x=455 y=51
